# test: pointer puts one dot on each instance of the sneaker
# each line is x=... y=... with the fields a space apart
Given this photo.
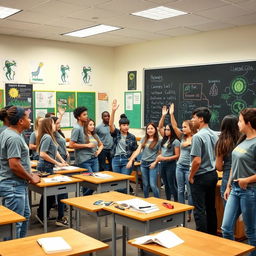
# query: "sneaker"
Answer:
x=39 y=220
x=62 y=222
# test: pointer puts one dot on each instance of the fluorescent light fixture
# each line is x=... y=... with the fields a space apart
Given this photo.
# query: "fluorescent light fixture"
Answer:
x=159 y=13
x=6 y=12
x=92 y=31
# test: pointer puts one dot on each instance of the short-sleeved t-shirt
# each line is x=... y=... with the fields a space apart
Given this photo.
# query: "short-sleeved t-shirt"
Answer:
x=169 y=151
x=203 y=144
x=103 y=131
x=48 y=146
x=2 y=128
x=244 y=160
x=13 y=145
x=61 y=144
x=32 y=140
x=121 y=146
x=149 y=154
x=184 y=158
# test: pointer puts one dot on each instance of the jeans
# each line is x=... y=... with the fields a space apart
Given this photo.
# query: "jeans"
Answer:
x=92 y=165
x=203 y=196
x=168 y=169
x=182 y=173
x=224 y=183
x=104 y=154
x=240 y=201
x=15 y=198
x=149 y=178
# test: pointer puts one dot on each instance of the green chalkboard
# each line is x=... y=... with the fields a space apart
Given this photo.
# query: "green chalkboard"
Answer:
x=132 y=108
x=66 y=100
x=223 y=88
x=87 y=99
x=44 y=102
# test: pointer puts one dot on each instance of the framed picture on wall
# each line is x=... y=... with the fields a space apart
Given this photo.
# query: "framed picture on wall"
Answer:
x=132 y=80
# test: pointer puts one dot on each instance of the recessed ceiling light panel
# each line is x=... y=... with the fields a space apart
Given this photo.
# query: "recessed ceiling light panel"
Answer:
x=6 y=12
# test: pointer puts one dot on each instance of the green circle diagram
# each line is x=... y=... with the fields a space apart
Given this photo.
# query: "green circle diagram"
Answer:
x=237 y=106
x=131 y=76
x=239 y=85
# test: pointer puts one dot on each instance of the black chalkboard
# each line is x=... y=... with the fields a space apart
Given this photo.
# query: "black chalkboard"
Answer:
x=224 y=88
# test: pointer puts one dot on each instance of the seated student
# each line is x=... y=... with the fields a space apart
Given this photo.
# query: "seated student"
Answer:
x=47 y=148
x=32 y=139
x=103 y=131
x=15 y=171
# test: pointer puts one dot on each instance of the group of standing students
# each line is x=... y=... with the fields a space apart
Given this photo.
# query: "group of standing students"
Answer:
x=187 y=157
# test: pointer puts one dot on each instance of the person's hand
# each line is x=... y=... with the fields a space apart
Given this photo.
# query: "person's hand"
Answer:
x=90 y=145
x=129 y=164
x=171 y=110
x=164 y=110
x=97 y=153
x=34 y=179
x=191 y=179
x=61 y=110
x=152 y=165
x=114 y=105
x=61 y=164
x=242 y=182
x=160 y=158
x=227 y=192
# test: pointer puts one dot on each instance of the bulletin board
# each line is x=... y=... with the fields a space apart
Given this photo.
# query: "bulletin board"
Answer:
x=87 y=99
x=44 y=102
x=132 y=108
x=66 y=100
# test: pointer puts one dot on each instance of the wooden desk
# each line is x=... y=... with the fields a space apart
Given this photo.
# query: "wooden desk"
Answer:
x=8 y=222
x=56 y=188
x=196 y=244
x=149 y=222
x=71 y=172
x=220 y=174
x=70 y=150
x=80 y=243
x=33 y=163
x=85 y=203
x=239 y=228
x=117 y=181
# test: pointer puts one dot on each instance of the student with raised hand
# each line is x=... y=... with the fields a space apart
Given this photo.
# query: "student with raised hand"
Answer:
x=203 y=176
x=189 y=128
x=47 y=148
x=229 y=135
x=241 y=189
x=170 y=152
x=15 y=172
x=150 y=147
x=124 y=143
x=103 y=131
x=32 y=139
x=93 y=148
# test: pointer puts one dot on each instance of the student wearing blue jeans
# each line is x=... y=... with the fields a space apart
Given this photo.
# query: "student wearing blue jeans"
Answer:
x=124 y=143
x=241 y=189
x=150 y=148
x=15 y=171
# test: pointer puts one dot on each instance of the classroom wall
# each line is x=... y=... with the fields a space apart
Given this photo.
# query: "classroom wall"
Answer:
x=230 y=45
x=53 y=54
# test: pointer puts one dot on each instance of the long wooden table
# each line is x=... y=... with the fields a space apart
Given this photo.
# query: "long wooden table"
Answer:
x=81 y=244
x=195 y=244
x=8 y=220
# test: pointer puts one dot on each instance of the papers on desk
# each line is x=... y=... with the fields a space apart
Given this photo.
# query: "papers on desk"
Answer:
x=166 y=239
x=59 y=178
x=66 y=168
x=54 y=244
x=102 y=175
x=139 y=205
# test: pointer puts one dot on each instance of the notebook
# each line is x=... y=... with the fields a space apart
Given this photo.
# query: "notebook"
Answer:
x=54 y=244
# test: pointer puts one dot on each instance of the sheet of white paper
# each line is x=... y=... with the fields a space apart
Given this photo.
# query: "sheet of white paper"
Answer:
x=129 y=101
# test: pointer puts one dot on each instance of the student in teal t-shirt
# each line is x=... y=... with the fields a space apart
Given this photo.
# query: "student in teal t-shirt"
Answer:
x=241 y=189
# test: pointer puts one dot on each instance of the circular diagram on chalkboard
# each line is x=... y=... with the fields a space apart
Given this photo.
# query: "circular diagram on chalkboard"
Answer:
x=237 y=106
x=239 y=85
x=131 y=76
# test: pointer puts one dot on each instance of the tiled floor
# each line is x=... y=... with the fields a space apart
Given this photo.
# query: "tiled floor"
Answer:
x=88 y=226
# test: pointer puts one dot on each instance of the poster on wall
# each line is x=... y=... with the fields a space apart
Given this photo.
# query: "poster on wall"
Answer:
x=132 y=80
x=37 y=75
x=21 y=95
x=86 y=75
x=9 y=69
x=63 y=75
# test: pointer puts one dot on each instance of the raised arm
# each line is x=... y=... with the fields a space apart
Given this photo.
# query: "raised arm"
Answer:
x=61 y=112
x=161 y=121
x=112 y=116
x=174 y=123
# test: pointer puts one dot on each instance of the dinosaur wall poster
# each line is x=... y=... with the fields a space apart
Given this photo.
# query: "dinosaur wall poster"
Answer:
x=9 y=70
x=86 y=75
x=37 y=75
x=63 y=75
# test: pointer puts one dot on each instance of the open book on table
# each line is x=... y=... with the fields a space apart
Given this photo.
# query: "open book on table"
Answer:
x=59 y=178
x=66 y=168
x=166 y=239
x=54 y=244
x=102 y=175
x=139 y=205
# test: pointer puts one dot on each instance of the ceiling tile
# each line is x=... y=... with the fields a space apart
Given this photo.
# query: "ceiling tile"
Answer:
x=243 y=20
x=22 y=4
x=179 y=31
x=212 y=26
